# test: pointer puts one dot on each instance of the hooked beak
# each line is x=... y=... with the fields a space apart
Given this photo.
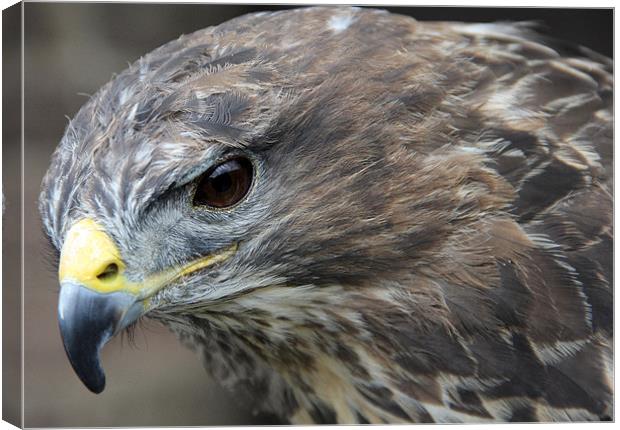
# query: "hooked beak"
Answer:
x=87 y=320
x=97 y=300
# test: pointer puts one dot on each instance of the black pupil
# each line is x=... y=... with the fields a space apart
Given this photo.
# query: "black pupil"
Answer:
x=221 y=183
x=225 y=184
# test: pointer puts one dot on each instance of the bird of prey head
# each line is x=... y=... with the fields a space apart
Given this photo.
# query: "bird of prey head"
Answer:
x=352 y=216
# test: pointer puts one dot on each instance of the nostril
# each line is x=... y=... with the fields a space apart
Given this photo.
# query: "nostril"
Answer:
x=109 y=273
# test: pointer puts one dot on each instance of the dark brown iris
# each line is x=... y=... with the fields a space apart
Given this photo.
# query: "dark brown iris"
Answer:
x=225 y=184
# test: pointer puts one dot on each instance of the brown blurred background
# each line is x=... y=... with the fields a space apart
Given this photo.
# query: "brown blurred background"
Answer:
x=71 y=50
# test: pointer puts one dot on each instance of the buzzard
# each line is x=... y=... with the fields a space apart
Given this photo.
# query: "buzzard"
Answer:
x=352 y=216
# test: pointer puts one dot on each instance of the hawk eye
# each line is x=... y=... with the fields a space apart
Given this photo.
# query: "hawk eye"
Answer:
x=224 y=184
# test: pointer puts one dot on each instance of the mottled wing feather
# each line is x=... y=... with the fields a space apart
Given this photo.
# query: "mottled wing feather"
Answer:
x=543 y=347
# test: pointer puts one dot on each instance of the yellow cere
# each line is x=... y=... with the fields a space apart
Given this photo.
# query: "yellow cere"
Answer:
x=91 y=258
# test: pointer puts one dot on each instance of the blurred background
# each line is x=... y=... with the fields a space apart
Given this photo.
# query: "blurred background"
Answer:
x=70 y=51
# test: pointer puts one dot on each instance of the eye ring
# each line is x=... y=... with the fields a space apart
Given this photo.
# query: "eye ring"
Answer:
x=224 y=185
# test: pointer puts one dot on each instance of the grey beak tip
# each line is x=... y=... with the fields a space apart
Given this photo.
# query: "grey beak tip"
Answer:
x=97 y=386
x=87 y=320
x=83 y=354
x=97 y=389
